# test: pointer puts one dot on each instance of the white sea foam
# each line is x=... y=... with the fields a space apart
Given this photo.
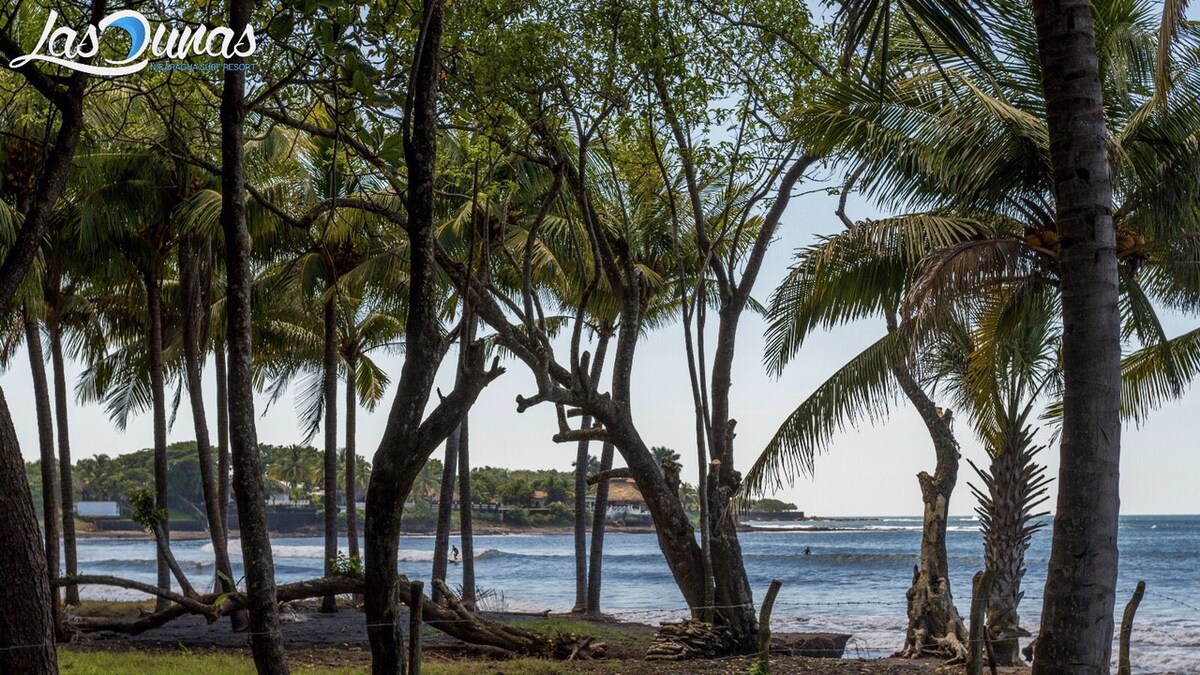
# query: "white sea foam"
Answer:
x=317 y=552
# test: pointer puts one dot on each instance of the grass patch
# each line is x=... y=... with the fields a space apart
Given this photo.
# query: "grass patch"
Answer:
x=183 y=663
x=152 y=663
x=111 y=609
x=579 y=627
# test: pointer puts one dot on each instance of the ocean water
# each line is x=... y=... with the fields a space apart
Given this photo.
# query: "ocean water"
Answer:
x=853 y=582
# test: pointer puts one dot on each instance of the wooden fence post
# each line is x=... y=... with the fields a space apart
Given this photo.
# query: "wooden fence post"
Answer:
x=417 y=600
x=764 y=629
x=1123 y=667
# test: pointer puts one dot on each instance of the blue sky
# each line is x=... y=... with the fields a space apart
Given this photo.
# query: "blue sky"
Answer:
x=868 y=471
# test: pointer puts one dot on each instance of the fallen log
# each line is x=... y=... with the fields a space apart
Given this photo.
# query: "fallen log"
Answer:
x=452 y=618
x=190 y=601
x=457 y=621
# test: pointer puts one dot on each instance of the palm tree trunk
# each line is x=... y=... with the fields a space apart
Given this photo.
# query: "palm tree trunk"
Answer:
x=220 y=364
x=1015 y=484
x=27 y=632
x=465 y=524
x=209 y=478
x=599 y=519
x=159 y=395
x=935 y=627
x=65 y=470
x=266 y=640
x=581 y=466
x=351 y=456
x=441 y=541
x=329 y=602
x=45 y=421
x=700 y=411
x=1080 y=593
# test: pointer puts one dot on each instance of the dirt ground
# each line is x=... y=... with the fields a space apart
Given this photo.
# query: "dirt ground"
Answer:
x=339 y=640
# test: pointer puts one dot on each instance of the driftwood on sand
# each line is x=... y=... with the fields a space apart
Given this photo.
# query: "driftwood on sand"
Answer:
x=449 y=616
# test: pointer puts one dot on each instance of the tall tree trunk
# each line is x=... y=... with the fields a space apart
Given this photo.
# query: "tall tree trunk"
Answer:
x=329 y=602
x=700 y=411
x=65 y=470
x=465 y=515
x=1080 y=593
x=220 y=363
x=159 y=395
x=599 y=520
x=209 y=479
x=934 y=625
x=401 y=454
x=732 y=596
x=352 y=456
x=581 y=469
x=266 y=640
x=27 y=632
x=28 y=643
x=450 y=467
x=441 y=540
x=675 y=532
x=581 y=483
x=45 y=422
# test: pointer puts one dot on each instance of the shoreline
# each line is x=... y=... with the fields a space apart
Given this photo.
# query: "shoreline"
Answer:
x=191 y=535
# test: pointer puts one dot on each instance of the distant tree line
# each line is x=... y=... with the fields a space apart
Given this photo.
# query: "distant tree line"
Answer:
x=298 y=471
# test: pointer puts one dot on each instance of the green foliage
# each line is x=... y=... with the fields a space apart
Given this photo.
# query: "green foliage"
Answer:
x=145 y=513
x=771 y=505
x=517 y=516
x=348 y=566
x=517 y=492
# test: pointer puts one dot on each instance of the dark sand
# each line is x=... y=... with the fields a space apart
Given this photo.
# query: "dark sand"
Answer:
x=340 y=639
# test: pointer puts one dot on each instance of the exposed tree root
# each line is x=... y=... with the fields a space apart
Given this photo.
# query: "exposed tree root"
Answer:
x=935 y=628
x=451 y=617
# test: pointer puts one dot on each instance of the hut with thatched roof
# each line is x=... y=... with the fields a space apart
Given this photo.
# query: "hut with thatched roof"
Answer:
x=625 y=499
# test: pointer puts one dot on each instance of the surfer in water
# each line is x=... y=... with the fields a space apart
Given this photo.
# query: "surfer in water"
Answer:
x=454 y=553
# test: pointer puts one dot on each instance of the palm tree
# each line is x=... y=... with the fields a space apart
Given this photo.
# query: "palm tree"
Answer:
x=1015 y=485
x=128 y=200
x=1080 y=590
x=997 y=358
x=866 y=271
x=428 y=482
x=662 y=455
x=339 y=241
x=71 y=325
x=299 y=467
x=1009 y=189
